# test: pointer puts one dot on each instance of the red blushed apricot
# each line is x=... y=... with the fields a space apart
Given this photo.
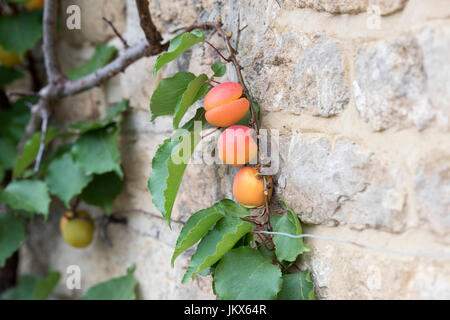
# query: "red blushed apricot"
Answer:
x=248 y=187
x=222 y=94
x=236 y=146
x=224 y=106
x=228 y=114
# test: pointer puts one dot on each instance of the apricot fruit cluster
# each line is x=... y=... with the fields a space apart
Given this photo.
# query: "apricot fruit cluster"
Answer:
x=77 y=231
x=236 y=146
x=224 y=105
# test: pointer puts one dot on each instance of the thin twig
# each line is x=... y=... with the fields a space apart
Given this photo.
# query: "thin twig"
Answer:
x=117 y=33
x=44 y=125
x=218 y=52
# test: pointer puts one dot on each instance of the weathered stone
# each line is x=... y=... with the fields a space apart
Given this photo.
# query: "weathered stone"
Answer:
x=339 y=183
x=341 y=271
x=432 y=187
x=93 y=28
x=405 y=82
x=390 y=86
x=434 y=42
x=352 y=6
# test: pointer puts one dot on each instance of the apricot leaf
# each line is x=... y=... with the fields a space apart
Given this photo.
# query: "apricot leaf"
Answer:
x=189 y=97
x=12 y=233
x=8 y=153
x=166 y=96
x=287 y=248
x=8 y=75
x=65 y=178
x=297 y=286
x=14 y=119
x=20 y=32
x=96 y=151
x=103 y=190
x=102 y=55
x=33 y=288
x=245 y=274
x=216 y=243
x=169 y=163
x=27 y=195
x=120 y=288
x=195 y=228
x=219 y=69
x=31 y=149
x=177 y=46
x=112 y=113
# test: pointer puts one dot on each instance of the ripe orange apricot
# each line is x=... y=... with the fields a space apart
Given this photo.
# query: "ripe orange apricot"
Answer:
x=224 y=105
x=9 y=59
x=34 y=4
x=236 y=146
x=77 y=231
x=248 y=187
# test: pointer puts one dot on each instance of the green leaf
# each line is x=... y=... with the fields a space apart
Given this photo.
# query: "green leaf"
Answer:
x=65 y=179
x=188 y=98
x=297 y=286
x=96 y=151
x=244 y=121
x=12 y=233
x=33 y=288
x=31 y=149
x=14 y=120
x=219 y=69
x=27 y=195
x=8 y=152
x=111 y=115
x=169 y=163
x=103 y=190
x=195 y=228
x=231 y=208
x=201 y=221
x=166 y=96
x=120 y=288
x=20 y=32
x=8 y=75
x=287 y=248
x=177 y=46
x=216 y=243
x=245 y=274
x=44 y=287
x=103 y=54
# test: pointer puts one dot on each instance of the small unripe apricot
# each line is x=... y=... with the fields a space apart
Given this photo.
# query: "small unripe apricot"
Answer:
x=224 y=105
x=236 y=146
x=248 y=187
x=9 y=59
x=34 y=4
x=77 y=231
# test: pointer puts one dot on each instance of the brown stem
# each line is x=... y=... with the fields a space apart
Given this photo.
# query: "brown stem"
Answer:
x=152 y=34
x=49 y=44
x=117 y=33
x=218 y=52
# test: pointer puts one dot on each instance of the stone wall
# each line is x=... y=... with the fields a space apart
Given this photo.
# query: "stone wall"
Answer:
x=363 y=112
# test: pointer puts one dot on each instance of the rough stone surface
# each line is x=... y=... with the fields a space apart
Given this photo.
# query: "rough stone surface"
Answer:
x=338 y=183
x=93 y=28
x=352 y=6
x=330 y=86
x=432 y=186
x=405 y=82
